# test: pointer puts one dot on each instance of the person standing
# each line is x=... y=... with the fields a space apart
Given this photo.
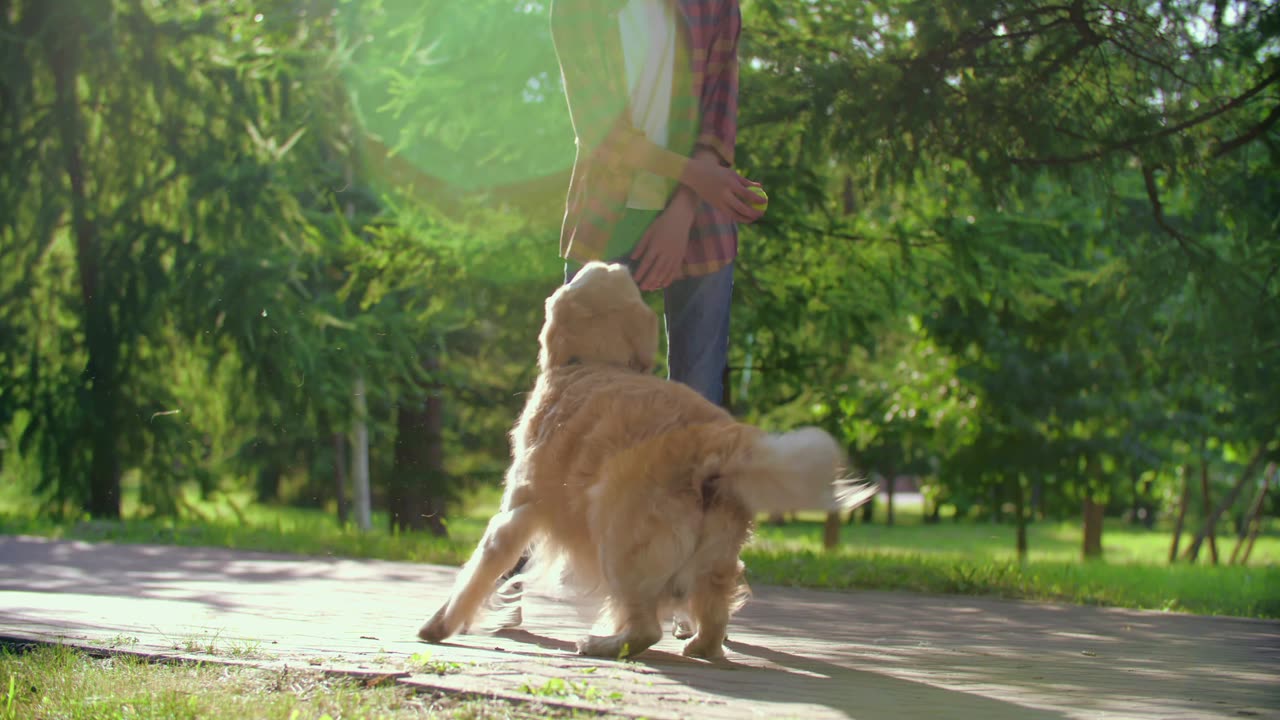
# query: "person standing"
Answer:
x=652 y=91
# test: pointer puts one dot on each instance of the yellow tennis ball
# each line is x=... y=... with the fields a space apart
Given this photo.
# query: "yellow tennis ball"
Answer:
x=764 y=198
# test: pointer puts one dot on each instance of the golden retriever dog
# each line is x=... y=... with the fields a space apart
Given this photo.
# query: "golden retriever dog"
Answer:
x=641 y=491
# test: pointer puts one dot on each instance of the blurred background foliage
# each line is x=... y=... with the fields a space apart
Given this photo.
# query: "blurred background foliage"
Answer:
x=1022 y=257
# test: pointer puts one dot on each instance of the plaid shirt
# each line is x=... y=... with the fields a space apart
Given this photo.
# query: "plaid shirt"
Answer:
x=704 y=108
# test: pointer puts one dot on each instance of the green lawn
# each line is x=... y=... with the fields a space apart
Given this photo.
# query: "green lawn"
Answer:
x=963 y=558
x=61 y=682
x=1046 y=541
x=981 y=558
x=1252 y=591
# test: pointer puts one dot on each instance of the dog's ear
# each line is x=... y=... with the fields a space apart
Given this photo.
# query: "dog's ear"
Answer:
x=641 y=328
x=563 y=313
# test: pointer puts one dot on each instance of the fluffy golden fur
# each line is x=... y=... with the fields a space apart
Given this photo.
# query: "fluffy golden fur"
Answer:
x=638 y=488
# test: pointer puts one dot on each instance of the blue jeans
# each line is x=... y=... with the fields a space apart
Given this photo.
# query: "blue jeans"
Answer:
x=697 y=320
x=697 y=311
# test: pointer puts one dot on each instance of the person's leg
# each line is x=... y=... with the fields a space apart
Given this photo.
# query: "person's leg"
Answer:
x=697 y=313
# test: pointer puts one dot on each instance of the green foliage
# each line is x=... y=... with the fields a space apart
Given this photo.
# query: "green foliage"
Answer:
x=467 y=95
x=1010 y=246
x=244 y=275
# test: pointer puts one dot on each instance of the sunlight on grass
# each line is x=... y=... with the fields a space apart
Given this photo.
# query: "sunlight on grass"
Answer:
x=60 y=682
x=1238 y=591
x=228 y=522
x=948 y=557
x=1048 y=541
x=981 y=558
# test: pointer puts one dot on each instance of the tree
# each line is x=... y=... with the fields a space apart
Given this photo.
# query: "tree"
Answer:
x=195 y=233
x=1118 y=117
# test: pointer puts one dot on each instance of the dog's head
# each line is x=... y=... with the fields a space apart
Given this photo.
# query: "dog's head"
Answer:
x=599 y=318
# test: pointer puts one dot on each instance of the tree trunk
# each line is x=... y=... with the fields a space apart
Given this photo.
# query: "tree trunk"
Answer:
x=1210 y=522
x=1183 y=498
x=1020 y=520
x=268 y=485
x=1208 y=502
x=416 y=500
x=1148 y=507
x=1094 y=512
x=102 y=352
x=1135 y=506
x=362 y=495
x=360 y=458
x=831 y=530
x=1253 y=520
x=340 y=476
x=890 y=477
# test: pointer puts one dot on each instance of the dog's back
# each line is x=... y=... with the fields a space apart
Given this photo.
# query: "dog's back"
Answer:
x=582 y=424
x=641 y=487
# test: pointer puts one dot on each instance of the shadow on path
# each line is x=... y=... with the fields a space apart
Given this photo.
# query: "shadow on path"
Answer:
x=175 y=573
x=858 y=654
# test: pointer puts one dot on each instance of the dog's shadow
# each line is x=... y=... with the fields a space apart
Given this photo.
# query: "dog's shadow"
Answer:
x=856 y=693
x=542 y=642
x=766 y=675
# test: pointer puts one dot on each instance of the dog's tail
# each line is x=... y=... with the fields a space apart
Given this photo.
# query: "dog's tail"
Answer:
x=800 y=470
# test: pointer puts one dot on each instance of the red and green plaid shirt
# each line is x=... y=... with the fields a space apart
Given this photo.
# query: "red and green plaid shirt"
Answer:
x=704 y=109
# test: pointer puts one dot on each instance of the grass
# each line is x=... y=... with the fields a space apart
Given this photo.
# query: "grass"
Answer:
x=61 y=682
x=266 y=528
x=949 y=558
x=423 y=662
x=1238 y=591
x=1046 y=540
x=572 y=690
x=969 y=558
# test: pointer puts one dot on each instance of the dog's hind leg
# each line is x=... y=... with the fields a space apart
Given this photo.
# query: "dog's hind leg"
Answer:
x=711 y=605
x=636 y=571
x=638 y=630
x=507 y=536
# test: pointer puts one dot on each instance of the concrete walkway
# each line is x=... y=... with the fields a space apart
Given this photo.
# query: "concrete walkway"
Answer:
x=793 y=653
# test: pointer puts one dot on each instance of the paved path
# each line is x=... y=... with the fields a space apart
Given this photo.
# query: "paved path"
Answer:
x=793 y=653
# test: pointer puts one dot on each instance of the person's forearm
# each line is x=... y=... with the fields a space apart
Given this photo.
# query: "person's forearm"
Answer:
x=685 y=197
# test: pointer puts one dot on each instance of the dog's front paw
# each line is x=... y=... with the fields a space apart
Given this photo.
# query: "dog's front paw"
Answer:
x=605 y=646
x=704 y=647
x=622 y=645
x=436 y=629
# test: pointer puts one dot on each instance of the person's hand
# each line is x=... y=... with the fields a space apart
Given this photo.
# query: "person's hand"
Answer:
x=661 y=250
x=722 y=188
